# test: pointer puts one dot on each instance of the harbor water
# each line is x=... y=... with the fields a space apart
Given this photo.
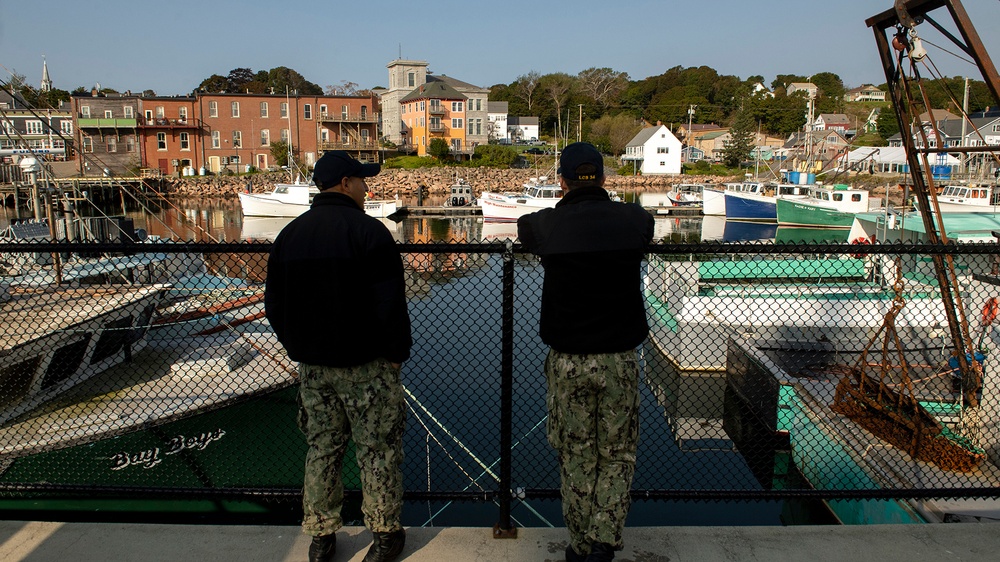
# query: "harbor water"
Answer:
x=663 y=462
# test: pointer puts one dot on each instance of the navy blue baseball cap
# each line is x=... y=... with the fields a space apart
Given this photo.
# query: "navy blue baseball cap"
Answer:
x=336 y=165
x=576 y=155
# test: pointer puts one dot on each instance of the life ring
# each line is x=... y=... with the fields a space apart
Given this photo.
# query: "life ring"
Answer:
x=860 y=240
x=990 y=311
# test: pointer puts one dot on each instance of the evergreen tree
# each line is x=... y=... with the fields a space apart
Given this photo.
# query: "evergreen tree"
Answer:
x=742 y=140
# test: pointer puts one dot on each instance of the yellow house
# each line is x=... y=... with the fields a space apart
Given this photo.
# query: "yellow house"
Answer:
x=435 y=110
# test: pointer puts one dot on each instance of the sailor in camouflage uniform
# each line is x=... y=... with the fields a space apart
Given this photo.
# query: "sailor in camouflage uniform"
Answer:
x=593 y=318
x=335 y=296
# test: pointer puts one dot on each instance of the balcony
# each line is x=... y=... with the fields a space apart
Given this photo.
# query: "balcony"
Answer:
x=163 y=123
x=106 y=123
x=354 y=145
x=349 y=117
x=436 y=110
x=436 y=128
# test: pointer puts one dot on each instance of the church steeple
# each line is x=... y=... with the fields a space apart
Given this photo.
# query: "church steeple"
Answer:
x=46 y=82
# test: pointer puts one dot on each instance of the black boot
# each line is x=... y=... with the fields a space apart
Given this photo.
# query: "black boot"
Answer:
x=386 y=547
x=323 y=548
x=601 y=552
x=572 y=556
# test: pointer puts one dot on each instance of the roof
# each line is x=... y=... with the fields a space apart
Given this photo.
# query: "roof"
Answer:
x=496 y=107
x=523 y=121
x=434 y=90
x=939 y=115
x=835 y=118
x=714 y=134
x=644 y=135
x=453 y=82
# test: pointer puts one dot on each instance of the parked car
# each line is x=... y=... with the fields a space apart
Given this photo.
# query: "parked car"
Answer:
x=534 y=150
x=536 y=142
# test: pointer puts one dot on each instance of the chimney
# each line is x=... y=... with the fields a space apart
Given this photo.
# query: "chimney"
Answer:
x=659 y=123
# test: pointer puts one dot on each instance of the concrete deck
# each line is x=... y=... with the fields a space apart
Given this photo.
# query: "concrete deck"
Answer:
x=93 y=542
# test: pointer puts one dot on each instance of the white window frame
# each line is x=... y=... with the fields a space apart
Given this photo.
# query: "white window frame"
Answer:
x=33 y=127
x=263 y=110
x=283 y=110
x=161 y=112
x=85 y=111
x=216 y=139
x=161 y=141
x=234 y=109
x=129 y=112
x=66 y=127
x=237 y=139
x=307 y=111
x=108 y=114
x=182 y=113
x=185 y=140
x=456 y=123
x=88 y=145
x=265 y=137
x=129 y=143
x=111 y=143
x=213 y=109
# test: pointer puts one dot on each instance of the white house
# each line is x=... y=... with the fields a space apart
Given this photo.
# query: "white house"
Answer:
x=657 y=149
x=497 y=121
x=522 y=128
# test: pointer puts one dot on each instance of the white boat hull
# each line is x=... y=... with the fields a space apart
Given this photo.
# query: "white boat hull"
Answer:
x=509 y=208
x=265 y=205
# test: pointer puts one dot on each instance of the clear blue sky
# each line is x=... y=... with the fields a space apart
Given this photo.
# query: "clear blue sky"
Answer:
x=170 y=47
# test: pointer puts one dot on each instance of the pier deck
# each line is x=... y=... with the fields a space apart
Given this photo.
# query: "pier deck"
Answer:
x=93 y=542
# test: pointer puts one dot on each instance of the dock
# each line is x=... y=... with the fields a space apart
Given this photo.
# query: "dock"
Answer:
x=98 y=542
x=441 y=211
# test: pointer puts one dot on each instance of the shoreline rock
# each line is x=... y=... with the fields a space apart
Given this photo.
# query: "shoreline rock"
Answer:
x=401 y=182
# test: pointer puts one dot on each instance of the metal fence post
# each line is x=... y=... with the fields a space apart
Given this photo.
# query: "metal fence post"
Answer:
x=504 y=529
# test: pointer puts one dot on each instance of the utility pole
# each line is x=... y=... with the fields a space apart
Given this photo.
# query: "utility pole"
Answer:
x=691 y=109
x=579 y=125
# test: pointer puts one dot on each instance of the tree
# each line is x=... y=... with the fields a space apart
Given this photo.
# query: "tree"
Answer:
x=556 y=87
x=887 y=124
x=830 y=98
x=282 y=77
x=603 y=85
x=238 y=79
x=280 y=150
x=525 y=86
x=345 y=88
x=494 y=155
x=439 y=149
x=742 y=139
x=215 y=84
x=612 y=133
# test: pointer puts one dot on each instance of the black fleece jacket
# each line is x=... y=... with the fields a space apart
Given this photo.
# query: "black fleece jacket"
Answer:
x=335 y=294
x=592 y=250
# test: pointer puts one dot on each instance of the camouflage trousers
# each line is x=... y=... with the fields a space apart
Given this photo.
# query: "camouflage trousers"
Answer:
x=364 y=403
x=593 y=403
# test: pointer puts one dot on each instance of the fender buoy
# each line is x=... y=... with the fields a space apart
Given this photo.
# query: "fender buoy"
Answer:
x=860 y=240
x=990 y=311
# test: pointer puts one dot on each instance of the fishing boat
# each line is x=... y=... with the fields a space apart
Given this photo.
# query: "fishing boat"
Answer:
x=757 y=201
x=687 y=195
x=893 y=226
x=293 y=199
x=539 y=193
x=969 y=199
x=824 y=207
x=713 y=201
x=817 y=303
x=460 y=194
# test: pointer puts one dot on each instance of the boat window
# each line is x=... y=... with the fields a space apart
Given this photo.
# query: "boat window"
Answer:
x=281 y=190
x=112 y=339
x=838 y=196
x=65 y=362
x=16 y=380
x=856 y=197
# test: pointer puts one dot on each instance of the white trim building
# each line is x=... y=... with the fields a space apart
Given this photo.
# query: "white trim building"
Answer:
x=658 y=150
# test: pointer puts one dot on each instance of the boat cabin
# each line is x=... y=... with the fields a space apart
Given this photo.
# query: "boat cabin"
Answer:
x=461 y=194
x=973 y=195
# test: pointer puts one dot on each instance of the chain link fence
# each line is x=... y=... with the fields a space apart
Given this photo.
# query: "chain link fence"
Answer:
x=144 y=379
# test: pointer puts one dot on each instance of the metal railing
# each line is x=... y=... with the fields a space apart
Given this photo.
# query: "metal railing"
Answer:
x=150 y=374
